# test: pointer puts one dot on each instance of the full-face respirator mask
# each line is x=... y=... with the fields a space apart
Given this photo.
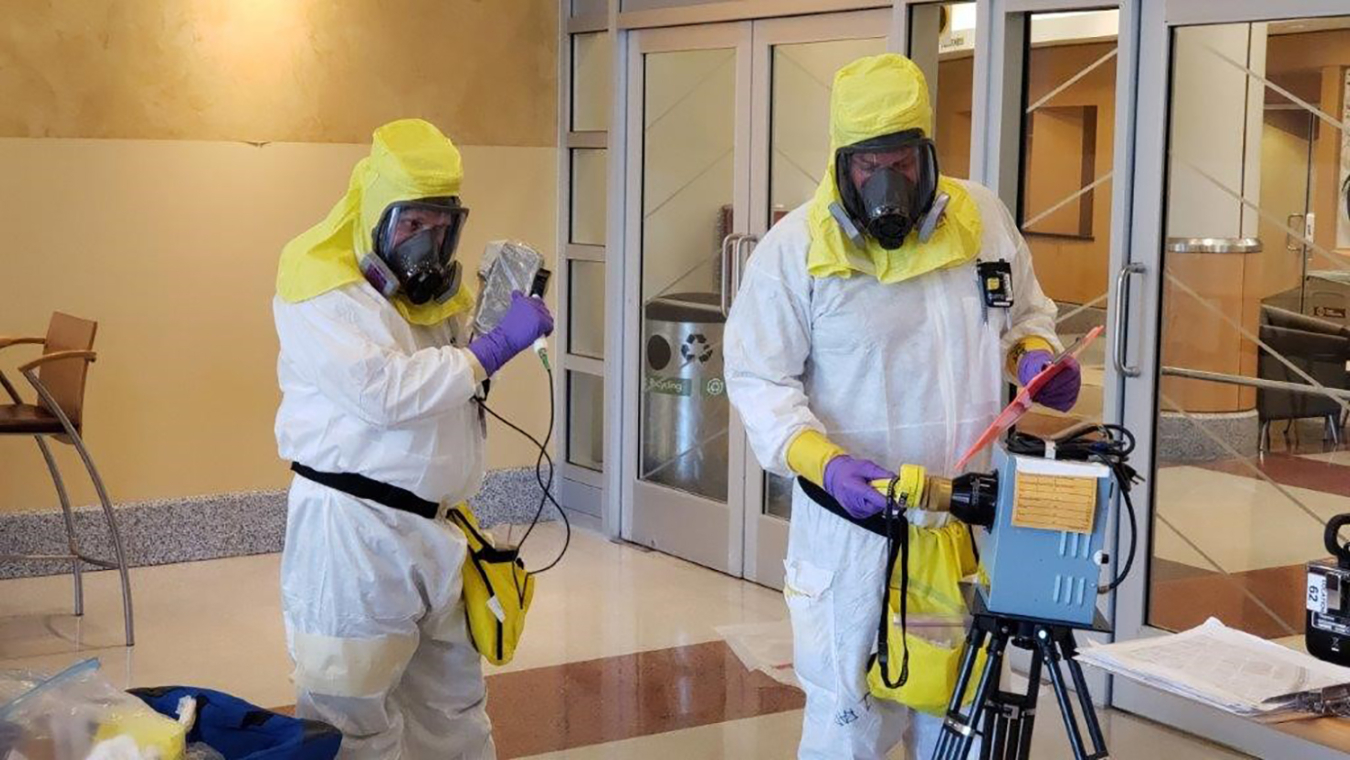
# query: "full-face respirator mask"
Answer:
x=899 y=194
x=414 y=250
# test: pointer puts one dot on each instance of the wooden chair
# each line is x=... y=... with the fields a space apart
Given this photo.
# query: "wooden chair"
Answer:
x=58 y=377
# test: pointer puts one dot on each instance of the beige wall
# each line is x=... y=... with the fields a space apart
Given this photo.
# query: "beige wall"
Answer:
x=225 y=127
x=286 y=70
x=1313 y=65
x=172 y=248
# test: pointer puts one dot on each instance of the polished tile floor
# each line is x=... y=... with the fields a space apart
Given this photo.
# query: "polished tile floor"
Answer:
x=622 y=658
x=1240 y=522
x=1237 y=534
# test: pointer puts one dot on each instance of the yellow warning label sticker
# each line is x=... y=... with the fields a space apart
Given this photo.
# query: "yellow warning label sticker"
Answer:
x=1055 y=502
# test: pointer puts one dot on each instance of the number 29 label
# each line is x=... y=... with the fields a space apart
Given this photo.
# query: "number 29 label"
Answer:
x=1317 y=593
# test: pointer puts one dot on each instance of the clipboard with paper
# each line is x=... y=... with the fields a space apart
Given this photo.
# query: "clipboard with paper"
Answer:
x=1022 y=403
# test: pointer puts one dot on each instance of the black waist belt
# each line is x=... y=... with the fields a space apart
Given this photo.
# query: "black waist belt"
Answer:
x=875 y=524
x=363 y=487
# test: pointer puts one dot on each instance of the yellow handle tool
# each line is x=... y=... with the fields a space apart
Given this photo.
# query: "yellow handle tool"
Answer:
x=917 y=489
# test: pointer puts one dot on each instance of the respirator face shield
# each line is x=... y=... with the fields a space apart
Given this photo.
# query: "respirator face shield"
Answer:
x=888 y=184
x=414 y=250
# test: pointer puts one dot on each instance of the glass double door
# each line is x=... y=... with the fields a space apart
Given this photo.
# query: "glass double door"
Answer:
x=1241 y=235
x=727 y=132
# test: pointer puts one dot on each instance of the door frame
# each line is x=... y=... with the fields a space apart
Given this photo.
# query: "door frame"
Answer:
x=1002 y=28
x=746 y=555
x=765 y=535
x=702 y=536
x=1157 y=19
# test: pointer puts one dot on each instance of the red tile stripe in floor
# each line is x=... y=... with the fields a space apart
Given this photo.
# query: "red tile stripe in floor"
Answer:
x=1182 y=600
x=579 y=704
x=616 y=698
x=1289 y=470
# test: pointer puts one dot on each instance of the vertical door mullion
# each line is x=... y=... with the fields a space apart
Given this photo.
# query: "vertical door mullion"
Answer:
x=1143 y=305
x=743 y=222
x=629 y=237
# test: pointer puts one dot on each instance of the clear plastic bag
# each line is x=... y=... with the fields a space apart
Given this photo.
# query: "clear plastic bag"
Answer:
x=16 y=683
x=77 y=714
x=506 y=266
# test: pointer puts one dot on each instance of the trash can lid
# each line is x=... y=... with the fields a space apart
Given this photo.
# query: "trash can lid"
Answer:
x=702 y=308
x=1330 y=275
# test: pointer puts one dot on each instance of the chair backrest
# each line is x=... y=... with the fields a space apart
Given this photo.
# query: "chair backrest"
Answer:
x=65 y=379
x=1319 y=355
x=1277 y=317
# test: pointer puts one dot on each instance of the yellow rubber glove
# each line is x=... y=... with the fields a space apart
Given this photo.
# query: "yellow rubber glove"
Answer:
x=808 y=454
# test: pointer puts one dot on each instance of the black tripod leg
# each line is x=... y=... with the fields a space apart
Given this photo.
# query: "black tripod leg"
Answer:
x=1069 y=648
x=1027 y=722
x=1000 y=739
x=1047 y=646
x=955 y=722
x=995 y=733
x=989 y=685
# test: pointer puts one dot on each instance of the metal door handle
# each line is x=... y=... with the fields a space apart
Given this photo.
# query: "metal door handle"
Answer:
x=1122 y=301
x=725 y=279
x=740 y=254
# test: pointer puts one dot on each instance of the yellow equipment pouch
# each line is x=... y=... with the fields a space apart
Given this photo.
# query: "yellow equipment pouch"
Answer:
x=924 y=618
x=497 y=591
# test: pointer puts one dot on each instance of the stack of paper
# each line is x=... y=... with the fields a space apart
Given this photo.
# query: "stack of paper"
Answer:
x=1217 y=666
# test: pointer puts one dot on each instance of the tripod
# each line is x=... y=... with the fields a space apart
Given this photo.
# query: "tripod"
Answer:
x=1005 y=719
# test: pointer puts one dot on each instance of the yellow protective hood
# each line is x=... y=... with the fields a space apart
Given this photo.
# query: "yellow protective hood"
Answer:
x=409 y=159
x=874 y=97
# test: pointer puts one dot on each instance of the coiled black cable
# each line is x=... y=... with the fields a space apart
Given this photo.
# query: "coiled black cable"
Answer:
x=1110 y=445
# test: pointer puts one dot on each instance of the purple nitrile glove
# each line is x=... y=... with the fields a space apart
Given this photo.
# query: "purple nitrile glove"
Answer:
x=526 y=320
x=849 y=481
x=1061 y=392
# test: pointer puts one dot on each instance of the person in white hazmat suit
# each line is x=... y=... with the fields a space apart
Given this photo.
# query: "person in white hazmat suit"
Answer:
x=859 y=342
x=379 y=421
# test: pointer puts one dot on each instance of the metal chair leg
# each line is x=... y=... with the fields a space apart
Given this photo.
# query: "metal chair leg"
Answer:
x=108 y=514
x=1263 y=446
x=72 y=543
x=118 y=549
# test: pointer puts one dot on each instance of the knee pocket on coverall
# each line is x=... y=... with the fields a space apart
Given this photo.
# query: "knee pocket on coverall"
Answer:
x=810 y=601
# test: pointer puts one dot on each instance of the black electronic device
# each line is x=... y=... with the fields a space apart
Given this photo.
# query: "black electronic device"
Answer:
x=539 y=287
x=1328 y=599
x=996 y=283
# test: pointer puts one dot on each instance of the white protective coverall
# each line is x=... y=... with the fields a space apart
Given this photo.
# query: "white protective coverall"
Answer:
x=372 y=596
x=907 y=372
